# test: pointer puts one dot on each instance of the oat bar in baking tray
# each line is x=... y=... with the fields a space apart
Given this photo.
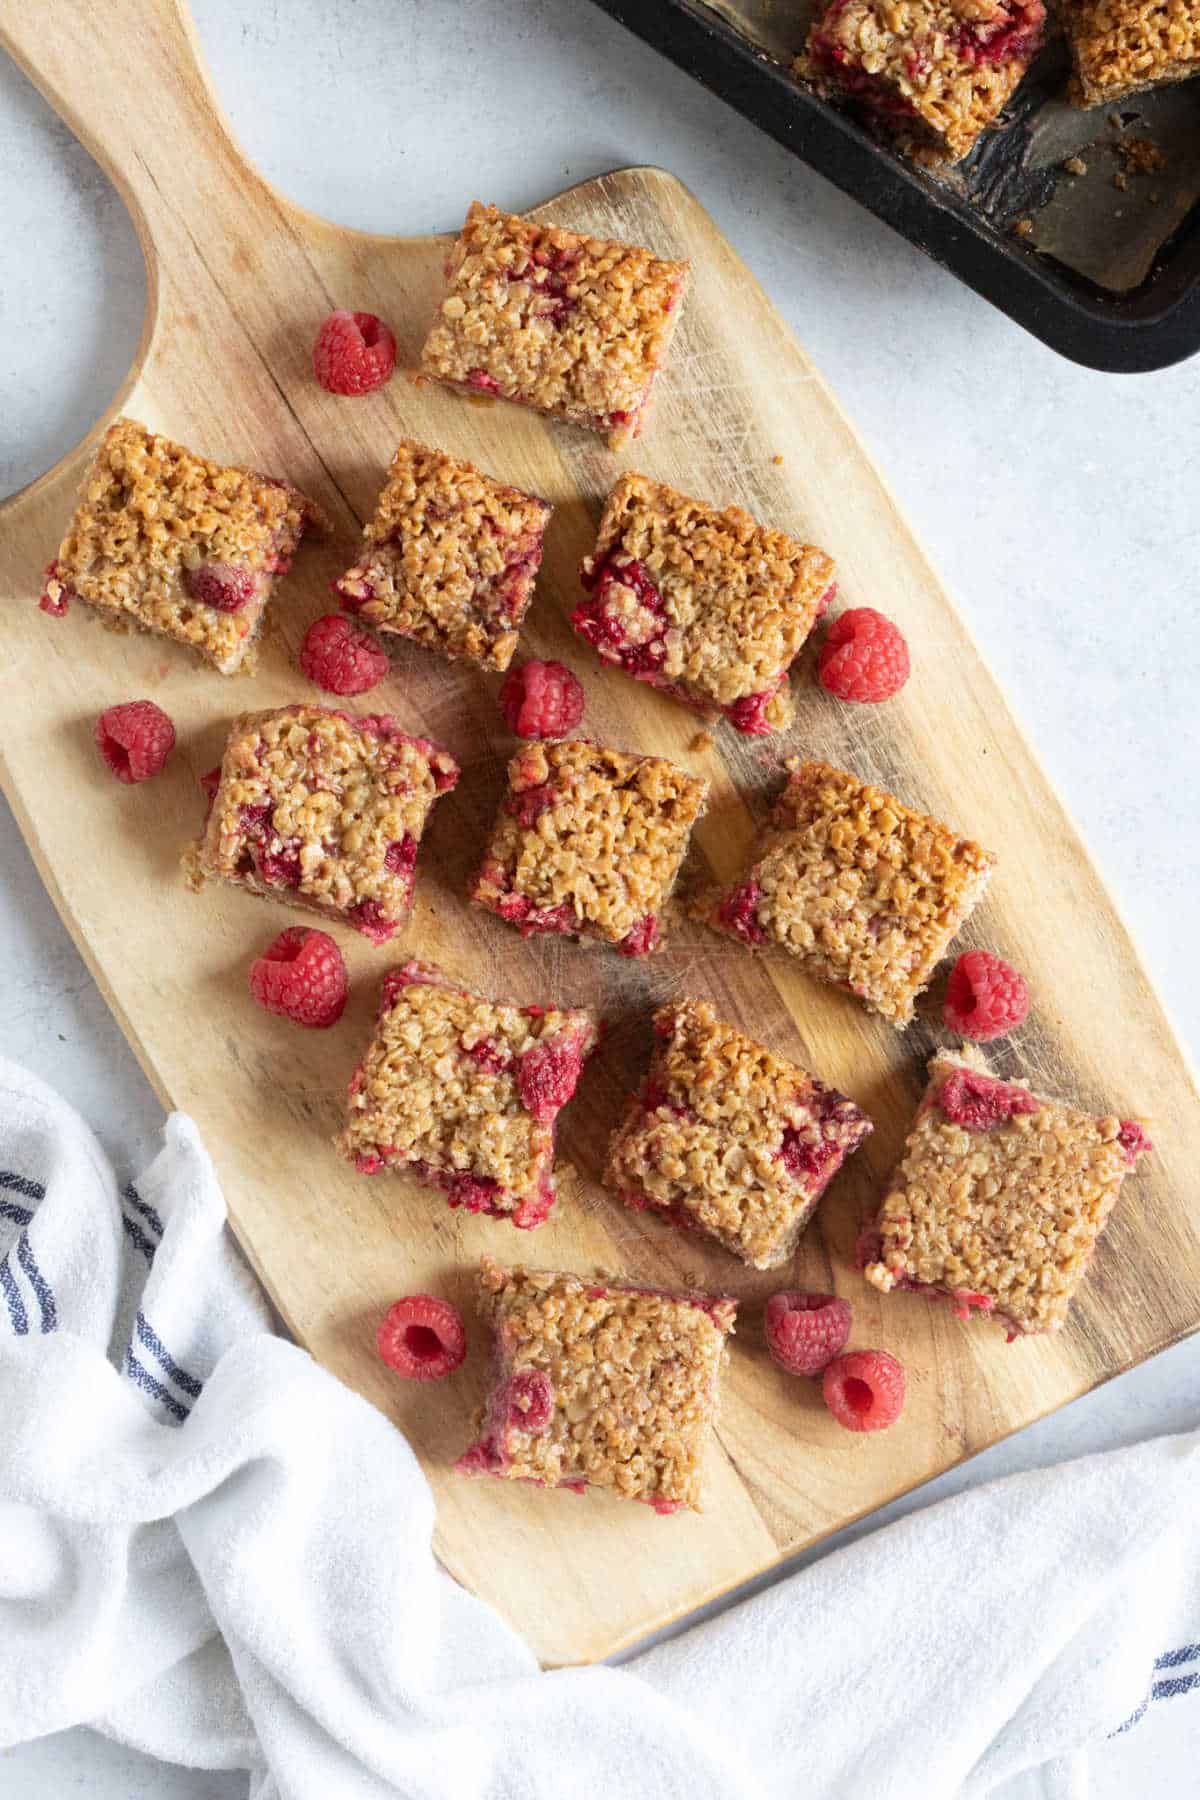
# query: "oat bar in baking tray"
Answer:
x=1105 y=271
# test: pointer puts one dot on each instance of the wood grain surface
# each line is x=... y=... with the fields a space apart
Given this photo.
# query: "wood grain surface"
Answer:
x=239 y=280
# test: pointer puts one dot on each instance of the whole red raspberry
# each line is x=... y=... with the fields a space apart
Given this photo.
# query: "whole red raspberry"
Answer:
x=422 y=1338
x=354 y=353
x=134 y=739
x=806 y=1331
x=302 y=977
x=541 y=700
x=985 y=997
x=341 y=657
x=864 y=1390
x=864 y=657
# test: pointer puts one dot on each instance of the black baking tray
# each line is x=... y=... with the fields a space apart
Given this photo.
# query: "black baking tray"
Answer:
x=1103 y=267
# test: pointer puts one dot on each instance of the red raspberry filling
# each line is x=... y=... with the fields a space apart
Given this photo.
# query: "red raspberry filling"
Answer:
x=355 y=353
x=871 y=93
x=599 y=619
x=280 y=867
x=400 y=857
x=369 y=917
x=805 y=1332
x=486 y=384
x=541 y=700
x=642 y=939
x=985 y=997
x=301 y=976
x=530 y=1400
x=864 y=1390
x=864 y=657
x=210 y=782
x=655 y=1098
x=804 y=1159
x=528 y=804
x=1133 y=1141
x=547 y=1076
x=135 y=739
x=1014 y=35
x=489 y=1057
x=55 y=596
x=341 y=657
x=980 y=1102
x=225 y=586
x=422 y=1338
x=738 y=911
x=749 y=714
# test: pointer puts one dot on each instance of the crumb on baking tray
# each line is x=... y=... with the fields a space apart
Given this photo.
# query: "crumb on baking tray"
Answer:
x=1140 y=155
x=1024 y=228
x=703 y=740
x=1075 y=165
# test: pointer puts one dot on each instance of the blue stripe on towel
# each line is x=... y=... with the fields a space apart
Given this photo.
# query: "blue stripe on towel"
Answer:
x=152 y=1342
x=138 y=1238
x=21 y=1184
x=1178 y=1684
x=38 y=1283
x=16 y=1306
x=146 y=1381
x=132 y=1198
x=1173 y=1658
x=9 y=1209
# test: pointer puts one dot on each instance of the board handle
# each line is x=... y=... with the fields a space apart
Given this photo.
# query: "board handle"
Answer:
x=130 y=79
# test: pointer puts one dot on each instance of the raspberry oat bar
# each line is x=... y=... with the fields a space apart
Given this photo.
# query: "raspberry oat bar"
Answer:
x=938 y=70
x=1000 y=1198
x=707 y=605
x=463 y=1092
x=588 y=842
x=1122 y=47
x=449 y=558
x=573 y=326
x=324 y=810
x=599 y=1384
x=727 y=1138
x=165 y=541
x=865 y=892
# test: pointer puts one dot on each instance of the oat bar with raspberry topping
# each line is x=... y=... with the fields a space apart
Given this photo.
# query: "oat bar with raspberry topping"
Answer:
x=449 y=558
x=462 y=1092
x=703 y=603
x=1000 y=1197
x=599 y=1384
x=1121 y=47
x=324 y=810
x=588 y=842
x=574 y=326
x=166 y=541
x=938 y=71
x=862 y=890
x=728 y=1139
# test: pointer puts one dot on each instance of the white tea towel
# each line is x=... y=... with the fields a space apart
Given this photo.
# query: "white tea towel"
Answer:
x=213 y=1551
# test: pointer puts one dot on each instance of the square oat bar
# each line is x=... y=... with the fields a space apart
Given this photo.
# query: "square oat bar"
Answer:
x=167 y=542
x=599 y=1384
x=463 y=1091
x=1000 y=1197
x=1122 y=47
x=588 y=842
x=570 y=325
x=703 y=603
x=862 y=890
x=728 y=1139
x=937 y=70
x=324 y=810
x=449 y=558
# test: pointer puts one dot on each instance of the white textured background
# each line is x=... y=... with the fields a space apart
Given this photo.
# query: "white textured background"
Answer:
x=1060 y=505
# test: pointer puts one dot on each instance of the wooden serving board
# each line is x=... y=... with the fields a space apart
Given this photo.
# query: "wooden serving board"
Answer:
x=239 y=280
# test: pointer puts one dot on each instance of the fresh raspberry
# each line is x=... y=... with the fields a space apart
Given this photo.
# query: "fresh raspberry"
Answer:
x=980 y=1102
x=985 y=997
x=341 y=657
x=135 y=739
x=226 y=586
x=864 y=1390
x=806 y=1331
x=301 y=976
x=422 y=1338
x=354 y=353
x=547 y=1076
x=541 y=700
x=864 y=657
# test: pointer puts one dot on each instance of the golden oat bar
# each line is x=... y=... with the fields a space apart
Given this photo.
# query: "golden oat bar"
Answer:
x=574 y=326
x=599 y=1384
x=588 y=842
x=449 y=558
x=705 y=604
x=167 y=542
x=939 y=70
x=323 y=810
x=862 y=890
x=728 y=1139
x=1122 y=47
x=462 y=1092
x=1000 y=1198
